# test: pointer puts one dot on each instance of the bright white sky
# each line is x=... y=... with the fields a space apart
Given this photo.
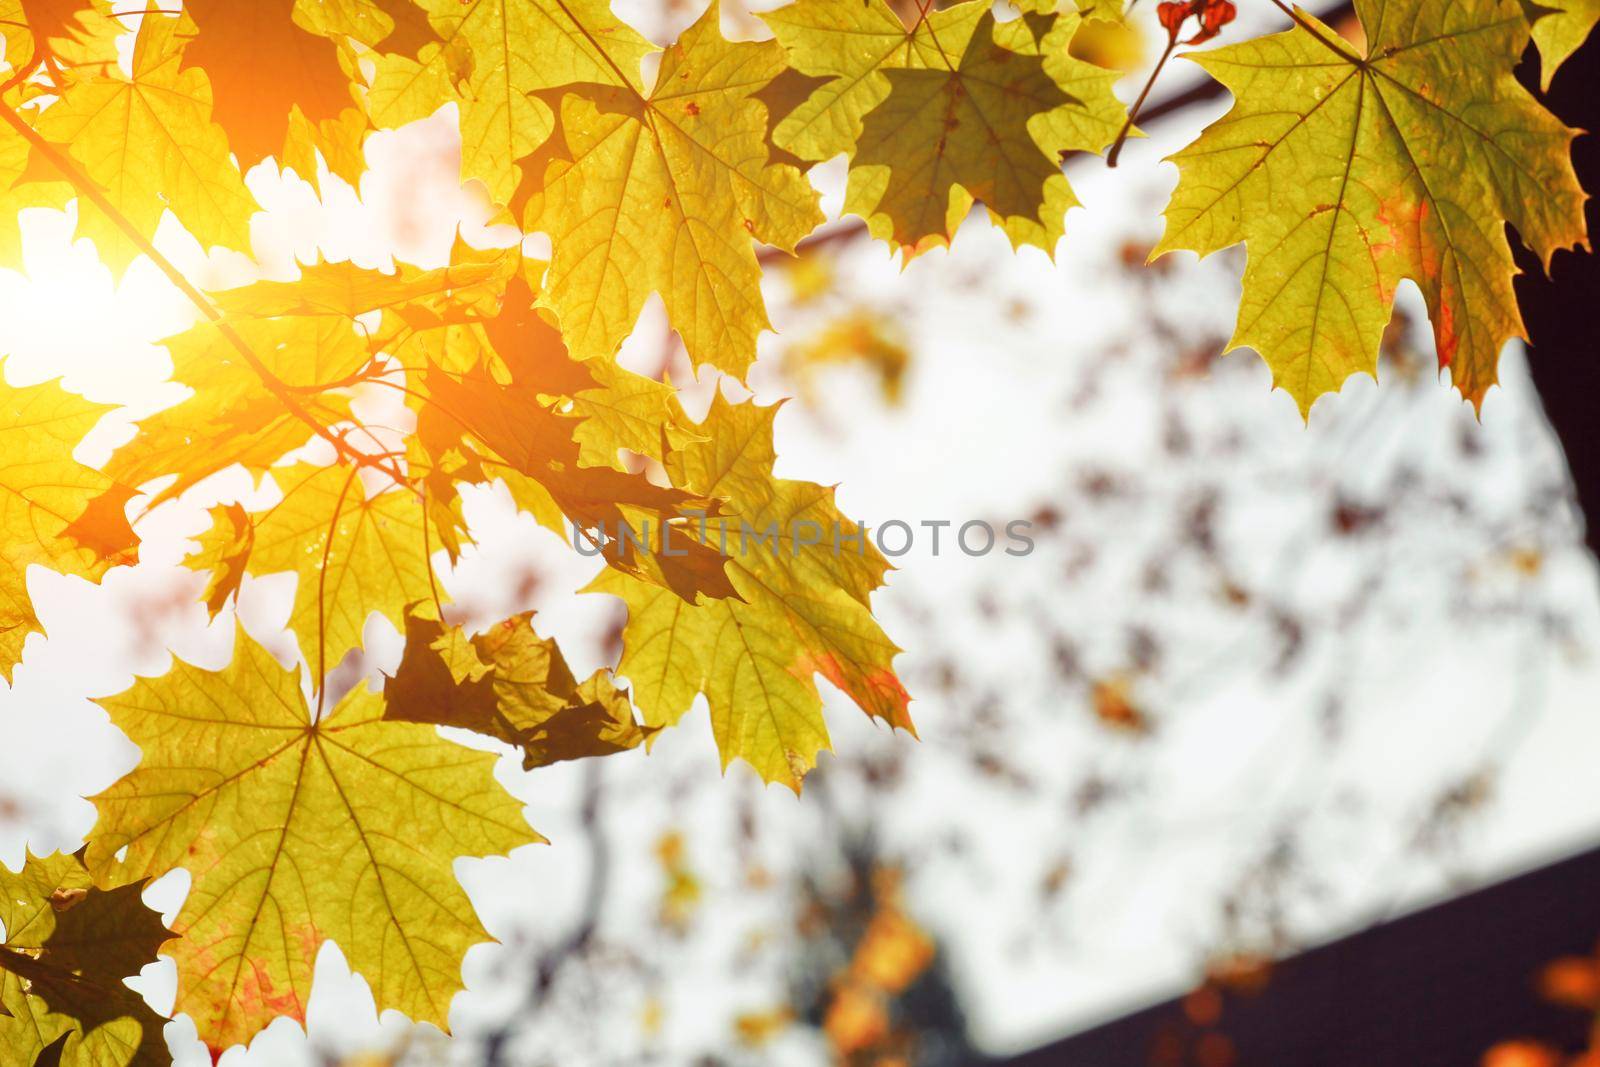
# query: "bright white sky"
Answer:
x=984 y=431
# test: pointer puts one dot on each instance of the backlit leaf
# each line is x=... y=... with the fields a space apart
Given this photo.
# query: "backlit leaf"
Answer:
x=54 y=511
x=298 y=828
x=148 y=141
x=802 y=609
x=668 y=193
x=1562 y=32
x=1344 y=174
x=353 y=553
x=261 y=64
x=490 y=57
x=513 y=685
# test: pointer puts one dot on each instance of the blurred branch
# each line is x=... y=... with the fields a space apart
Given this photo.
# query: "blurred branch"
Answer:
x=549 y=964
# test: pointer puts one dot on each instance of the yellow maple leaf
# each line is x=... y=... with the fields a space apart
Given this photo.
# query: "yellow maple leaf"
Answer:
x=668 y=192
x=307 y=334
x=224 y=553
x=64 y=34
x=298 y=829
x=491 y=56
x=344 y=290
x=991 y=127
x=25 y=180
x=801 y=609
x=624 y=410
x=67 y=948
x=149 y=142
x=339 y=141
x=396 y=27
x=353 y=553
x=54 y=511
x=1345 y=173
x=495 y=390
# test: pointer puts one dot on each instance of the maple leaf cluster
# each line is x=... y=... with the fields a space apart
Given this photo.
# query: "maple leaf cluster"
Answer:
x=1344 y=171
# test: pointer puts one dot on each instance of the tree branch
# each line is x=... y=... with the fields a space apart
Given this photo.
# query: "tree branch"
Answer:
x=549 y=963
x=87 y=188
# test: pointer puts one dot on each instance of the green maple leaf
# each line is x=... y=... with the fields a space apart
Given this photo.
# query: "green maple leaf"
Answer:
x=952 y=109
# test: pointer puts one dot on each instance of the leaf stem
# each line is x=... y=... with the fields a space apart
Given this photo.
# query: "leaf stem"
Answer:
x=322 y=599
x=1133 y=112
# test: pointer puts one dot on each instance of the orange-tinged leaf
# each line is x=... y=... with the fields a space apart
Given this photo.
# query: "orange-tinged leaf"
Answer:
x=225 y=553
x=1521 y=1054
x=1345 y=173
x=1111 y=700
x=261 y=64
x=1572 y=982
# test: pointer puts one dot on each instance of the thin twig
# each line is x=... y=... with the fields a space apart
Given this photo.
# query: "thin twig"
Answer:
x=1133 y=112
